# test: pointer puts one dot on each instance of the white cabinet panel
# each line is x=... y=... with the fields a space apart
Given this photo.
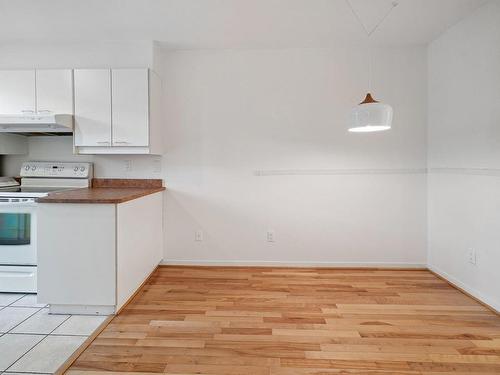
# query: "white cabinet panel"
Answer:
x=130 y=103
x=76 y=254
x=92 y=107
x=139 y=243
x=54 y=91
x=93 y=257
x=17 y=91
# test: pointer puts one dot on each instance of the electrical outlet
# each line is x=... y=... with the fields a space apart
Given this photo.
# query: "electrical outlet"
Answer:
x=270 y=236
x=198 y=235
x=472 y=256
x=127 y=164
x=157 y=165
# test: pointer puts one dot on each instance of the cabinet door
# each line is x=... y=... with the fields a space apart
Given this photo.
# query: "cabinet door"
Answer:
x=92 y=107
x=130 y=98
x=17 y=91
x=76 y=254
x=54 y=91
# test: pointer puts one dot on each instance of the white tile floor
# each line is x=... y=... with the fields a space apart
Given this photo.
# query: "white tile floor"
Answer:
x=34 y=342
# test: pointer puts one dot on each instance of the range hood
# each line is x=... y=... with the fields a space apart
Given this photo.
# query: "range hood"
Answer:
x=37 y=124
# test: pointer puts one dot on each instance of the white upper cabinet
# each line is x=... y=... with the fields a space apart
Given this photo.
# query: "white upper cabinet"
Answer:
x=117 y=111
x=130 y=107
x=30 y=91
x=92 y=107
x=54 y=91
x=17 y=92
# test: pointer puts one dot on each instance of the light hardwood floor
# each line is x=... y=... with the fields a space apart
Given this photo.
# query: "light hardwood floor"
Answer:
x=291 y=321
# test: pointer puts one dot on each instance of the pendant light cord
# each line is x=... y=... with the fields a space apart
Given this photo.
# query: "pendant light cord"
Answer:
x=394 y=4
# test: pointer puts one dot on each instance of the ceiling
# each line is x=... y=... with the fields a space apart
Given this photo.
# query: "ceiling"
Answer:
x=229 y=23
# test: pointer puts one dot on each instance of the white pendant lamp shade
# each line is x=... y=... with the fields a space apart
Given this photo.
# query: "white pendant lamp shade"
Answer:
x=370 y=116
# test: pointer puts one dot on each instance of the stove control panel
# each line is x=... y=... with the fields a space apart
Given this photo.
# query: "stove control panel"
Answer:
x=57 y=169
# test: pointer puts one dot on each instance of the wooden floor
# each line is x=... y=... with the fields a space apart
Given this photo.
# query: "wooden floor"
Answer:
x=282 y=321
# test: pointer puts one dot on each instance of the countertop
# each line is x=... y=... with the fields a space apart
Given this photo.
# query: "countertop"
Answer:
x=109 y=191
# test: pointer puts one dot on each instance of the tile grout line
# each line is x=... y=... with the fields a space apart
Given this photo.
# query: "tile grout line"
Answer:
x=21 y=322
x=32 y=334
x=28 y=307
x=39 y=342
x=15 y=333
x=26 y=352
x=26 y=372
x=24 y=295
x=66 y=335
x=64 y=321
x=17 y=360
x=45 y=336
x=3 y=307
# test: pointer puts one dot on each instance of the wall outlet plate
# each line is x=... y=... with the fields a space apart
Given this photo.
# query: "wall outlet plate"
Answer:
x=157 y=165
x=472 y=256
x=270 y=236
x=198 y=235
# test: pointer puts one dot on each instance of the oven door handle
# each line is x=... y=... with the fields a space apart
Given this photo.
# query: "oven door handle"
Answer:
x=17 y=204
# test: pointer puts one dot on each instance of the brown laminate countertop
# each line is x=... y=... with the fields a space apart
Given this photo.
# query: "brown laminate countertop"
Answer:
x=106 y=191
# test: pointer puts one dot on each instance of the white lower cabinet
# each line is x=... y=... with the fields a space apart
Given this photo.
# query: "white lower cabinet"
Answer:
x=93 y=257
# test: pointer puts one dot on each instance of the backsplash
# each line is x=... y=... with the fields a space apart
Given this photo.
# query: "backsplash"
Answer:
x=105 y=166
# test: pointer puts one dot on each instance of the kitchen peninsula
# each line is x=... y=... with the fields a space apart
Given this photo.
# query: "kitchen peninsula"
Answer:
x=98 y=245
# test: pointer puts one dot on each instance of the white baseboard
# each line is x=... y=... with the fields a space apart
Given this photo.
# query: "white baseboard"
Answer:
x=473 y=292
x=272 y=263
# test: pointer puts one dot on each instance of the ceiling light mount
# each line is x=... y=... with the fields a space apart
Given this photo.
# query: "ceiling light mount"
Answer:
x=368 y=99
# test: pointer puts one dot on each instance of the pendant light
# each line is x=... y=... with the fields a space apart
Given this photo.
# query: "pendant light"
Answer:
x=370 y=115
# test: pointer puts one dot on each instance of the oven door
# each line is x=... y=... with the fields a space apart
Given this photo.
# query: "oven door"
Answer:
x=18 y=233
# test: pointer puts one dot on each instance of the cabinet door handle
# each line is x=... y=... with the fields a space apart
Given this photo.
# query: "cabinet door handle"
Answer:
x=44 y=111
x=103 y=142
x=121 y=142
x=27 y=111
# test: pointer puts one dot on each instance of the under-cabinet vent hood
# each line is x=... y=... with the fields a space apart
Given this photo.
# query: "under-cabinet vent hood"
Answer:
x=37 y=124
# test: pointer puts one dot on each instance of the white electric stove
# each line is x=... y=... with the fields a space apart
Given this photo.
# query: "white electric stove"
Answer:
x=18 y=219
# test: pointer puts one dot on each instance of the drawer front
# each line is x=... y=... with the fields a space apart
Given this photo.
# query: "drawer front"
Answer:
x=18 y=279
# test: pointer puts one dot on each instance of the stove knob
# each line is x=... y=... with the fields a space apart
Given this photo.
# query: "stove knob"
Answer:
x=75 y=169
x=27 y=168
x=33 y=168
x=82 y=169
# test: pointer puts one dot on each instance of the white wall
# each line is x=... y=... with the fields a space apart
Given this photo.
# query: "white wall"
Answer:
x=257 y=141
x=49 y=55
x=464 y=153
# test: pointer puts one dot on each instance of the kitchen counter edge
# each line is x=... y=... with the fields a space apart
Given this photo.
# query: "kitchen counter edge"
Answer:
x=100 y=195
